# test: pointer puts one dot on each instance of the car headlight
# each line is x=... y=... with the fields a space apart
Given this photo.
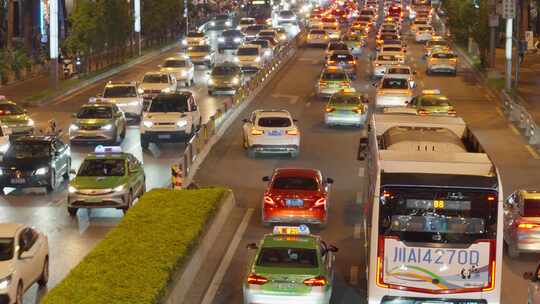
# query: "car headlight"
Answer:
x=148 y=123
x=119 y=188
x=181 y=123
x=1 y=171
x=72 y=189
x=210 y=81
x=257 y=59
x=166 y=90
x=212 y=23
x=183 y=73
x=141 y=91
x=221 y=39
x=42 y=171
x=134 y=103
x=207 y=57
x=184 y=41
x=73 y=127
x=235 y=80
x=228 y=23
x=5 y=282
x=30 y=122
x=107 y=127
x=237 y=40
x=236 y=59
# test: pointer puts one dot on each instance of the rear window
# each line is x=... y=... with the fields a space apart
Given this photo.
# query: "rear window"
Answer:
x=274 y=122
x=531 y=208
x=247 y=51
x=295 y=183
x=386 y=58
x=334 y=76
x=317 y=32
x=287 y=257
x=341 y=57
x=391 y=49
x=394 y=83
x=175 y=64
x=401 y=71
x=443 y=56
x=247 y=21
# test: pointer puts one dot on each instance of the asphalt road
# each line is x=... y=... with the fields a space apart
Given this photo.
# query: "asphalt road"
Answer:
x=334 y=152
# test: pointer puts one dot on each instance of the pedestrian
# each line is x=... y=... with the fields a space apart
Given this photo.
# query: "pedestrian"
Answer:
x=177 y=177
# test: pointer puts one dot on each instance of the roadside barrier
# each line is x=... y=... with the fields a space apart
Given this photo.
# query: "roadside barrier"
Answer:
x=519 y=115
x=203 y=137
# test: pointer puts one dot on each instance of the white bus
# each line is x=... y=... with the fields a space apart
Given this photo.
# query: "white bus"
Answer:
x=434 y=213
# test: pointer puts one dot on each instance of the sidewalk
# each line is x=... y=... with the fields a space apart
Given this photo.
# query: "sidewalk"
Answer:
x=529 y=81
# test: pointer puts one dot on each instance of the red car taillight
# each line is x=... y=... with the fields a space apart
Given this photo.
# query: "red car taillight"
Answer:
x=317 y=281
x=256 y=279
x=528 y=225
x=269 y=201
x=320 y=202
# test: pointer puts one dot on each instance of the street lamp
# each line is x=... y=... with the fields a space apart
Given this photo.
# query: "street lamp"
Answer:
x=137 y=25
x=53 y=46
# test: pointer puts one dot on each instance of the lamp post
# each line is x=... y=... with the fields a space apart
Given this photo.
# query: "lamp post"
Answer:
x=137 y=25
x=186 y=15
x=53 y=38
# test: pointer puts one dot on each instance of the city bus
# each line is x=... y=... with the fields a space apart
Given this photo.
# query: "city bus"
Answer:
x=433 y=213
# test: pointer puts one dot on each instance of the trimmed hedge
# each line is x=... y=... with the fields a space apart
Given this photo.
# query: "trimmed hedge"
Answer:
x=136 y=261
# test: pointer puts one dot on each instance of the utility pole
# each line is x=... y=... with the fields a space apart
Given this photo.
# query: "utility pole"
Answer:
x=186 y=15
x=53 y=46
x=508 y=12
x=137 y=25
x=493 y=24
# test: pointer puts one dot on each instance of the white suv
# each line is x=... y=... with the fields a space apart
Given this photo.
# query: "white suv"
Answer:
x=24 y=260
x=271 y=132
x=181 y=67
x=155 y=83
x=170 y=118
x=126 y=96
x=249 y=57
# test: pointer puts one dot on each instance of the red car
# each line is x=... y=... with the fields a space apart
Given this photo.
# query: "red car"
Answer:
x=296 y=196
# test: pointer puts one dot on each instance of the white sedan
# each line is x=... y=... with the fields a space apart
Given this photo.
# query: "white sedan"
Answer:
x=24 y=260
x=271 y=132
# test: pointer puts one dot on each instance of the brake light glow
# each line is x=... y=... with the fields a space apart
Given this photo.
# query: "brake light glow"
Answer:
x=422 y=112
x=320 y=202
x=359 y=110
x=331 y=62
x=269 y=201
x=352 y=61
x=491 y=198
x=528 y=225
x=329 y=109
x=317 y=281
x=345 y=83
x=257 y=132
x=256 y=279
x=453 y=112
x=292 y=132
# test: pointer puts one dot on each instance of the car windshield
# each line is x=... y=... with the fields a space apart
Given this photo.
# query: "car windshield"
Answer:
x=390 y=37
x=199 y=48
x=224 y=70
x=221 y=18
x=334 y=76
x=531 y=207
x=400 y=71
x=274 y=122
x=120 y=91
x=245 y=51
x=342 y=99
x=102 y=167
x=257 y=27
x=195 y=34
x=286 y=14
x=10 y=109
x=338 y=47
x=364 y=18
x=295 y=183
x=391 y=49
x=395 y=83
x=437 y=42
x=424 y=28
x=232 y=33
x=167 y=104
x=156 y=78
x=443 y=55
x=175 y=63
x=6 y=249
x=29 y=149
x=102 y=112
x=287 y=257
x=246 y=21
x=433 y=101
x=386 y=58
x=342 y=57
x=262 y=43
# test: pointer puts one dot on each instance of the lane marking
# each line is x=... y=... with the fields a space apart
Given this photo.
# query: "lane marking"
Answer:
x=514 y=129
x=227 y=259
x=361 y=171
x=357 y=233
x=291 y=98
x=532 y=151
x=354 y=275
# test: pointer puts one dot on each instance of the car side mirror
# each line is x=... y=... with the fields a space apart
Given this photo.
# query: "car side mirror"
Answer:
x=252 y=246
x=329 y=180
x=332 y=248
x=414 y=72
x=528 y=276
x=266 y=178
x=72 y=171
x=374 y=84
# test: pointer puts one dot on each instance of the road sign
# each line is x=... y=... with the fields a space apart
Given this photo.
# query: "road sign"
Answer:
x=508 y=9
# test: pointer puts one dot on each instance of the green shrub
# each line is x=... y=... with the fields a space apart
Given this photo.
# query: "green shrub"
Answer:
x=137 y=259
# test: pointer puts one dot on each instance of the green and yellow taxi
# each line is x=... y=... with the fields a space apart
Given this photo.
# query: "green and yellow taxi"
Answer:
x=98 y=122
x=431 y=102
x=332 y=80
x=225 y=78
x=107 y=178
x=290 y=266
x=346 y=108
x=15 y=118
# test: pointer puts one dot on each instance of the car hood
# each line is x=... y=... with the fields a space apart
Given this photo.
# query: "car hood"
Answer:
x=25 y=163
x=222 y=78
x=6 y=268
x=154 y=86
x=175 y=70
x=165 y=117
x=7 y=119
x=117 y=100
x=92 y=122
x=97 y=182
x=197 y=54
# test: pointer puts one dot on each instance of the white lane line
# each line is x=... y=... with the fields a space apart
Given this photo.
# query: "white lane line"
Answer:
x=357 y=234
x=227 y=258
x=361 y=171
x=292 y=99
x=532 y=151
x=514 y=129
x=354 y=275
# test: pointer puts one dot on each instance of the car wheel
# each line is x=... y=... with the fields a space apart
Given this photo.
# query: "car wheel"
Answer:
x=210 y=93
x=192 y=81
x=129 y=202
x=144 y=143
x=72 y=211
x=187 y=83
x=52 y=182
x=245 y=143
x=19 y=295
x=44 y=278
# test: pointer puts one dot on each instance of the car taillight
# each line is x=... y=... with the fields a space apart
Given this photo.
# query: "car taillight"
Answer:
x=329 y=109
x=452 y=112
x=322 y=83
x=257 y=132
x=345 y=83
x=320 y=202
x=269 y=201
x=352 y=61
x=358 y=110
x=528 y=226
x=422 y=112
x=316 y=281
x=331 y=62
x=256 y=279
x=292 y=132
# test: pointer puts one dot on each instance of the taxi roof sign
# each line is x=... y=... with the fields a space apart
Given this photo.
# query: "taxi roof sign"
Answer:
x=431 y=92
x=107 y=149
x=291 y=230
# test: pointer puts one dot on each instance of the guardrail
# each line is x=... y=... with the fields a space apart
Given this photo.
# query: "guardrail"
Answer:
x=519 y=115
x=217 y=122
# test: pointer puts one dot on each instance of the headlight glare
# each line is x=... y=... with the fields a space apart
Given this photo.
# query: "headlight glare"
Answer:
x=119 y=188
x=72 y=189
x=107 y=127
x=166 y=90
x=42 y=171
x=73 y=127
x=5 y=282
x=30 y=122
x=148 y=123
x=181 y=123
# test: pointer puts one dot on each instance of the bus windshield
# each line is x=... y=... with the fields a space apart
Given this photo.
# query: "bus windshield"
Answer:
x=438 y=215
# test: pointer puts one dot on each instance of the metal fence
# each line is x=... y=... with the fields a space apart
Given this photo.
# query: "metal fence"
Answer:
x=203 y=137
x=517 y=114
